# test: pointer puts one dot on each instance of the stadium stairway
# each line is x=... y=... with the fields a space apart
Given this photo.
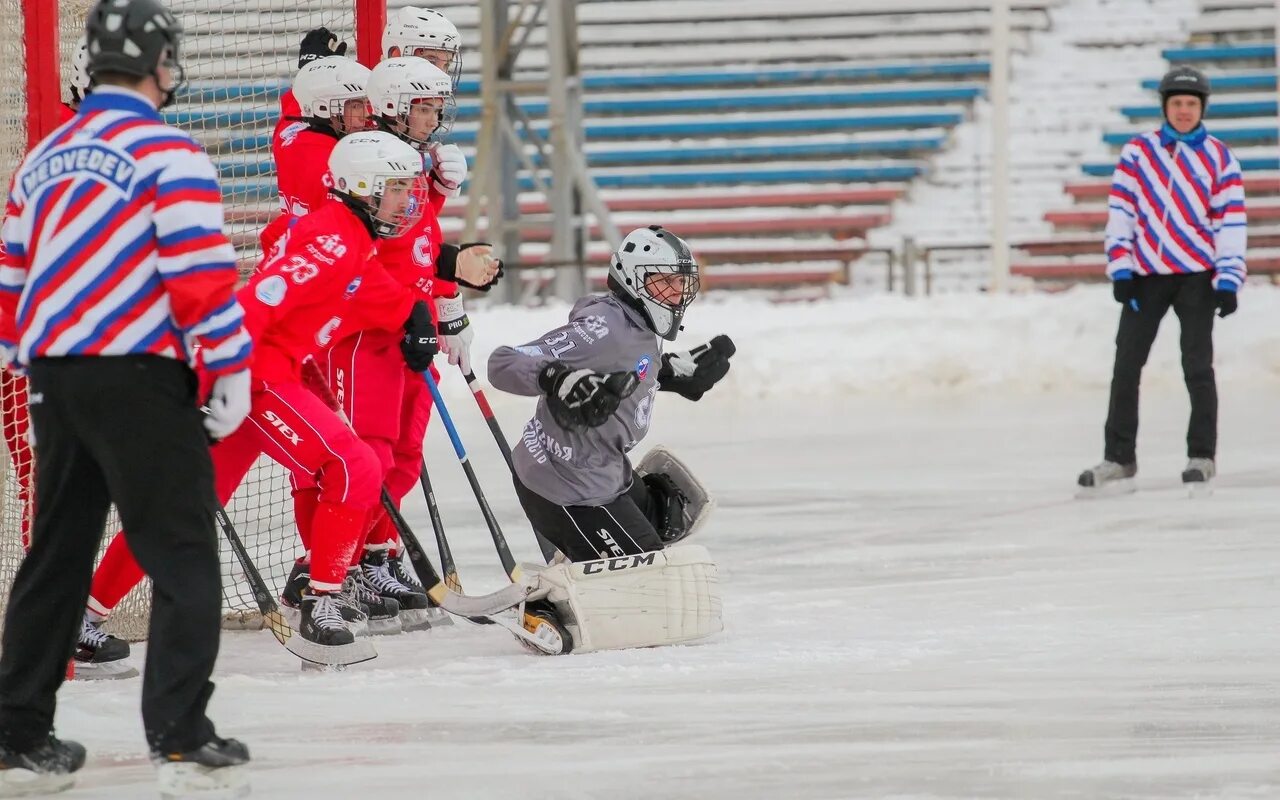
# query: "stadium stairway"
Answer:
x=1233 y=42
x=774 y=137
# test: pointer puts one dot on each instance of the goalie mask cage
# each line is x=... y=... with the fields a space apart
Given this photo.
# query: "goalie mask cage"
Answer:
x=239 y=56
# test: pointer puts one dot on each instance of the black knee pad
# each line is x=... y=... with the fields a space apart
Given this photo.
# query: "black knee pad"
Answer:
x=668 y=506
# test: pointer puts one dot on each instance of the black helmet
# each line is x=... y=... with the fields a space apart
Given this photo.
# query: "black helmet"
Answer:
x=1184 y=80
x=132 y=37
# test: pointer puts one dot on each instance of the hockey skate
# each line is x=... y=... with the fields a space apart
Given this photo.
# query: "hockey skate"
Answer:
x=355 y=614
x=1107 y=479
x=101 y=656
x=384 y=613
x=414 y=604
x=214 y=771
x=403 y=572
x=545 y=633
x=1198 y=476
x=47 y=768
x=322 y=635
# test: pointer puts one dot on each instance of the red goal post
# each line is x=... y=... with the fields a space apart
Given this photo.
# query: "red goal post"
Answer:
x=239 y=56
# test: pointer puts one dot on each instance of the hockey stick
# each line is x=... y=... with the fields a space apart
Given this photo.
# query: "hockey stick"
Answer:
x=495 y=531
x=548 y=549
x=266 y=602
x=447 y=563
x=454 y=602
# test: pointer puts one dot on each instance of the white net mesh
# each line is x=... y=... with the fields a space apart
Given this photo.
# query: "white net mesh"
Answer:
x=239 y=56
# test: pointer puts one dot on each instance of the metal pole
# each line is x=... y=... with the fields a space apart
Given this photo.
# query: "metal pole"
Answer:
x=569 y=283
x=999 y=84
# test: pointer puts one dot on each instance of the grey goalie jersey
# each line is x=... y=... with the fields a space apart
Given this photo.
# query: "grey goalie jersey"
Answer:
x=589 y=467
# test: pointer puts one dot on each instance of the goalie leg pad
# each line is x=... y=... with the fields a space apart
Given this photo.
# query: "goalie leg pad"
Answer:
x=644 y=600
x=682 y=501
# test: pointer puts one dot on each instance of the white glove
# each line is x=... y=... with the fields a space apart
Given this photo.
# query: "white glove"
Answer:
x=455 y=331
x=8 y=355
x=449 y=169
x=228 y=404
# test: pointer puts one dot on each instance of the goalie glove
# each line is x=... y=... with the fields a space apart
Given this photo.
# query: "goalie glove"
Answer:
x=448 y=169
x=583 y=398
x=691 y=374
x=420 y=343
x=455 y=331
x=319 y=43
x=471 y=265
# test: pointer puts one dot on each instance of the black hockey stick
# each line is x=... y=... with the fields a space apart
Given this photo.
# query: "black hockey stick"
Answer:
x=486 y=410
x=447 y=563
x=271 y=615
x=454 y=602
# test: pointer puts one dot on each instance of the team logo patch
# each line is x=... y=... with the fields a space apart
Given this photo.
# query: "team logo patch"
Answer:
x=642 y=367
x=351 y=288
x=270 y=291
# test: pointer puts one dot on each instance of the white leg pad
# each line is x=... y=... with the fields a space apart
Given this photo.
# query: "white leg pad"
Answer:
x=647 y=600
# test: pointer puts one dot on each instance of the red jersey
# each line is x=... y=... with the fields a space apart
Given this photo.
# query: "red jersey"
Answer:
x=322 y=283
x=302 y=175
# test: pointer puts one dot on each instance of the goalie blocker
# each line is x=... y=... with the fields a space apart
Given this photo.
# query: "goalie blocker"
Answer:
x=642 y=600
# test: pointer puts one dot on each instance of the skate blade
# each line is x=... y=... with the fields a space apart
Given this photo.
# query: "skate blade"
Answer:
x=415 y=619
x=438 y=617
x=1195 y=490
x=187 y=781
x=104 y=671
x=332 y=655
x=25 y=783
x=385 y=627
x=1114 y=488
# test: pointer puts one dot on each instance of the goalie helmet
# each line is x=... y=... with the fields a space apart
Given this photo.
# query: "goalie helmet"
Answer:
x=397 y=85
x=79 y=83
x=323 y=87
x=136 y=38
x=655 y=273
x=411 y=29
x=362 y=165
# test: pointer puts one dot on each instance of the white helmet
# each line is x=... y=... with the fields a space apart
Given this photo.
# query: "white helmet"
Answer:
x=641 y=273
x=362 y=163
x=397 y=83
x=411 y=28
x=324 y=86
x=80 y=70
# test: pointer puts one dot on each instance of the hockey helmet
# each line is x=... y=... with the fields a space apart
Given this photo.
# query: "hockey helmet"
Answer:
x=412 y=29
x=134 y=37
x=362 y=165
x=79 y=83
x=655 y=273
x=1184 y=80
x=396 y=85
x=323 y=87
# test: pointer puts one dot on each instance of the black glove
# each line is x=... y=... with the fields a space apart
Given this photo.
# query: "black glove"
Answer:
x=447 y=266
x=1226 y=301
x=319 y=43
x=584 y=398
x=1124 y=290
x=693 y=373
x=420 y=343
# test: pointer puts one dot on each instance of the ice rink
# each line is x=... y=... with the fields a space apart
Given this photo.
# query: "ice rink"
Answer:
x=916 y=606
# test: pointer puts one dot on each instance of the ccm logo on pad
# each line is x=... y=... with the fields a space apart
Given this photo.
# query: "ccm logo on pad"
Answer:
x=616 y=564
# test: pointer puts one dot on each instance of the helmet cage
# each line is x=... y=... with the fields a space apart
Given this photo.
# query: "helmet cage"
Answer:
x=664 y=317
x=396 y=120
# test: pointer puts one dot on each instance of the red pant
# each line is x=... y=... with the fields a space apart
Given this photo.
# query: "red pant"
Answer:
x=298 y=431
x=389 y=406
x=13 y=406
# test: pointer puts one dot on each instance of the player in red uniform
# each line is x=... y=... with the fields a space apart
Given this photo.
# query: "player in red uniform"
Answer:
x=321 y=282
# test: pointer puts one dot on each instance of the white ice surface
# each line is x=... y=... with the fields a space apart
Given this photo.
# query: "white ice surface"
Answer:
x=915 y=605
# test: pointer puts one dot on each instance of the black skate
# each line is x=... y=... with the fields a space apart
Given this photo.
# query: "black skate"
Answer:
x=99 y=655
x=1107 y=479
x=414 y=604
x=213 y=770
x=323 y=637
x=1198 y=476
x=404 y=573
x=47 y=768
x=356 y=614
x=384 y=612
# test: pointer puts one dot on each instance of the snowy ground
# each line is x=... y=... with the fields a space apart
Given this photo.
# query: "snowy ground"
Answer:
x=915 y=605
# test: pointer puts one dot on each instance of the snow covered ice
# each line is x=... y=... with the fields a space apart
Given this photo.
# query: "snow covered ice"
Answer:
x=915 y=605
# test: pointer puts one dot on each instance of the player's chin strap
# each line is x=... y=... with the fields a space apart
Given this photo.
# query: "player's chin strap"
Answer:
x=645 y=600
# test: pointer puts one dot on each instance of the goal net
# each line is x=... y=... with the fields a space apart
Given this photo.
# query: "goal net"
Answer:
x=239 y=56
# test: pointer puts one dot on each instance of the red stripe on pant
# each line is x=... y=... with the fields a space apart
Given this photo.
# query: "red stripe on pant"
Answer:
x=297 y=430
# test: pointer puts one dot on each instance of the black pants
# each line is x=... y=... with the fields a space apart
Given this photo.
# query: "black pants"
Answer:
x=622 y=527
x=1192 y=299
x=123 y=430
